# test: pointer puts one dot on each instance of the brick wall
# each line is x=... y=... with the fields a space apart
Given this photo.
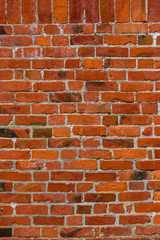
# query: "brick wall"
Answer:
x=80 y=124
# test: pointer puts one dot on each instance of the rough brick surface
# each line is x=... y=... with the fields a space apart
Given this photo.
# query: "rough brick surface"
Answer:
x=80 y=124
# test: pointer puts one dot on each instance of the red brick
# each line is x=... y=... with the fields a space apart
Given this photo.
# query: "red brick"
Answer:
x=61 y=41
x=86 y=40
x=59 y=52
x=95 y=154
x=30 y=187
x=86 y=52
x=116 y=231
x=26 y=165
x=81 y=164
x=116 y=208
x=63 y=142
x=138 y=11
x=42 y=41
x=130 y=154
x=22 y=144
x=5 y=221
x=67 y=108
x=131 y=28
x=31 y=97
x=83 y=119
x=6 y=210
x=104 y=220
x=92 y=63
x=14 y=155
x=76 y=28
x=97 y=177
x=84 y=187
x=62 y=210
x=123 y=10
x=61 y=132
x=145 y=40
x=136 y=86
x=149 y=108
x=68 y=154
x=60 y=11
x=112 y=52
x=91 y=142
x=147 y=207
x=58 y=75
x=145 y=52
x=123 y=131
x=5 y=120
x=5 y=165
x=56 y=120
x=107 y=10
x=50 y=86
x=28 y=232
x=49 y=232
x=76 y=11
x=74 y=197
x=120 y=63
x=135 y=120
x=78 y=232
x=91 y=75
x=30 y=120
x=58 y=221
x=47 y=197
x=66 y=176
x=14 y=63
x=74 y=220
x=116 y=165
x=28 y=11
x=47 y=63
x=27 y=29
x=89 y=131
x=45 y=154
x=53 y=165
x=16 y=198
x=136 y=186
x=2 y=11
x=117 y=97
x=15 y=176
x=41 y=176
x=51 y=29
x=33 y=209
x=153 y=11
x=133 y=196
x=44 y=11
x=72 y=63
x=126 y=108
x=150 y=142
x=111 y=187
x=92 y=11
x=13 y=16
x=104 y=28
x=62 y=187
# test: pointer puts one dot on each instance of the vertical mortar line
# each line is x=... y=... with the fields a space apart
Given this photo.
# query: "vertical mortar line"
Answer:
x=130 y=10
x=100 y=19
x=21 y=10
x=146 y=9
x=37 y=22
x=52 y=11
x=68 y=10
x=115 y=16
x=6 y=12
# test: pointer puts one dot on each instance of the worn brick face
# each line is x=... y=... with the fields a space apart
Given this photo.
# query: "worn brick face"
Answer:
x=79 y=119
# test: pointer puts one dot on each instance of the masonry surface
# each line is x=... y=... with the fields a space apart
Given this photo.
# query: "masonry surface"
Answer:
x=80 y=119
